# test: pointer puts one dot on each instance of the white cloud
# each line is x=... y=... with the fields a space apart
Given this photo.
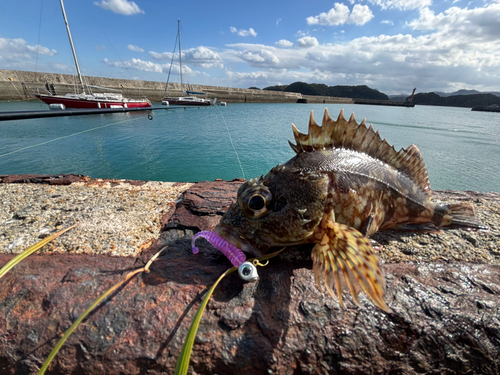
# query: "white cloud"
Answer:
x=247 y=76
x=340 y=14
x=387 y=22
x=147 y=66
x=263 y=57
x=199 y=56
x=335 y=16
x=307 y=42
x=19 y=48
x=204 y=57
x=135 y=48
x=360 y=14
x=284 y=43
x=127 y=8
x=478 y=24
x=301 y=33
x=161 y=56
x=402 y=4
x=18 y=54
x=243 y=32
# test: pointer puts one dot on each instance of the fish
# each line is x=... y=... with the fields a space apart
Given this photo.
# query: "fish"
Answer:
x=344 y=184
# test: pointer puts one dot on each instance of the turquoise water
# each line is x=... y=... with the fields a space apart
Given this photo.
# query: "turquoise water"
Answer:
x=461 y=148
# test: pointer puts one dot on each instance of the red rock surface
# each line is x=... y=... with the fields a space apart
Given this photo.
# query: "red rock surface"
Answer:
x=445 y=316
x=65 y=179
x=202 y=205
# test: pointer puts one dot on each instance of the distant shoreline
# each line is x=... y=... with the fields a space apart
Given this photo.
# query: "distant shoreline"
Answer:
x=19 y=85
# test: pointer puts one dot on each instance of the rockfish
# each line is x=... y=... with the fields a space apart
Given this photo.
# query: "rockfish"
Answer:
x=344 y=184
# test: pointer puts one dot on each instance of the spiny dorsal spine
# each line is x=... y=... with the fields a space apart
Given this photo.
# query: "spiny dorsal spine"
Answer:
x=358 y=137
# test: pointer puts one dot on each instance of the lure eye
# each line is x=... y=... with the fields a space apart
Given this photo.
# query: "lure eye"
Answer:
x=257 y=202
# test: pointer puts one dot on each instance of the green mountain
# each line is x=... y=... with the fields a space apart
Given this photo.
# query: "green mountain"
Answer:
x=466 y=92
x=467 y=101
x=319 y=89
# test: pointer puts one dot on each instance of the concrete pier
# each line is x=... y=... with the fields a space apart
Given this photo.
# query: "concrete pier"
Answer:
x=20 y=85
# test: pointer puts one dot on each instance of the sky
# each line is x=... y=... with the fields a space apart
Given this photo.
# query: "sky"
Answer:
x=388 y=45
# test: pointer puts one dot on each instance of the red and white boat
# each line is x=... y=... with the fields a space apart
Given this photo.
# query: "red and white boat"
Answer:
x=190 y=99
x=105 y=100
x=92 y=100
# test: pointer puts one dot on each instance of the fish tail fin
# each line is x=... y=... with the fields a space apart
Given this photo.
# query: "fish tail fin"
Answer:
x=458 y=216
x=341 y=252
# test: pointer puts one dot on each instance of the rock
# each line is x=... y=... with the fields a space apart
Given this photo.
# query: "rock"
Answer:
x=201 y=208
x=65 y=179
x=445 y=315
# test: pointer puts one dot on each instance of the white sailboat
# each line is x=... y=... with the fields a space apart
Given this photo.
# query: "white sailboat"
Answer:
x=189 y=99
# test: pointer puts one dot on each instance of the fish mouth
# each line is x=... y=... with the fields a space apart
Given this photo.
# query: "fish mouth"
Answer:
x=236 y=238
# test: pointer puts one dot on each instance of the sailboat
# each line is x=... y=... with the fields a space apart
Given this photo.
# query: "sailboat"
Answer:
x=85 y=100
x=190 y=99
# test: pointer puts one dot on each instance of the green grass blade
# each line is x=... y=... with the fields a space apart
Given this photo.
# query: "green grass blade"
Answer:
x=182 y=365
x=30 y=250
x=77 y=322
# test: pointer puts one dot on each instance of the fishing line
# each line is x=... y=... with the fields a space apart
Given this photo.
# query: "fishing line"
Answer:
x=231 y=139
x=70 y=135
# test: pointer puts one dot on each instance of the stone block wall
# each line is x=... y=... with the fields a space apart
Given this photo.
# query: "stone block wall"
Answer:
x=20 y=85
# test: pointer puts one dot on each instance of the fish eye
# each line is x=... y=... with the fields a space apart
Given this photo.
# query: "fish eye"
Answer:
x=254 y=201
x=257 y=202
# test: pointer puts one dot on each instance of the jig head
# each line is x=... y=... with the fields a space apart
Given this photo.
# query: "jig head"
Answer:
x=248 y=271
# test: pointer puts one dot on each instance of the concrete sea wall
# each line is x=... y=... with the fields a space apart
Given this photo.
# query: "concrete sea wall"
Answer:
x=20 y=85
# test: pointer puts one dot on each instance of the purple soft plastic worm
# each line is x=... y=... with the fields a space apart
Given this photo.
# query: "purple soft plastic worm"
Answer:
x=235 y=255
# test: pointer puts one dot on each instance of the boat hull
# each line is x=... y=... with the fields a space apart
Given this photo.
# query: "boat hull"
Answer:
x=93 y=103
x=183 y=101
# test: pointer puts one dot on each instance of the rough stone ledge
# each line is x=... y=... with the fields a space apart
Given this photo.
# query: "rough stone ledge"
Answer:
x=113 y=217
x=445 y=320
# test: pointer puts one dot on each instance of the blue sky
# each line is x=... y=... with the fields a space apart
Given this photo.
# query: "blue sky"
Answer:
x=389 y=45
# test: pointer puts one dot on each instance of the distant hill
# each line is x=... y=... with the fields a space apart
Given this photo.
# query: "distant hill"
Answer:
x=319 y=89
x=466 y=92
x=402 y=97
x=467 y=101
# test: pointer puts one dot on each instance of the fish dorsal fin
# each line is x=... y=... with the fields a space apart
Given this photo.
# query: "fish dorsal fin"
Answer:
x=358 y=137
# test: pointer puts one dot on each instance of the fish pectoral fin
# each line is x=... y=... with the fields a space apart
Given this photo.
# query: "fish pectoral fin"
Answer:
x=343 y=251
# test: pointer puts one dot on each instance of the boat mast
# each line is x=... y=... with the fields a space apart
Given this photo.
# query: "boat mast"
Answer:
x=180 y=52
x=73 y=47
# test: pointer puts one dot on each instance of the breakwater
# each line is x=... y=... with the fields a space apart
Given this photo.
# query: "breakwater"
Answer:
x=491 y=108
x=391 y=103
x=20 y=85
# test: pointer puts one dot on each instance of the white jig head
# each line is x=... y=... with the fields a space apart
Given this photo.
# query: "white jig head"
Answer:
x=248 y=271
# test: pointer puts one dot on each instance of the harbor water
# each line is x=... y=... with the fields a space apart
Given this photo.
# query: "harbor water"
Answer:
x=461 y=148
